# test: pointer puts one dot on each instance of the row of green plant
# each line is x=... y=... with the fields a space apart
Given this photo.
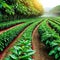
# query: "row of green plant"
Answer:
x=54 y=26
x=7 y=37
x=22 y=50
x=5 y=25
x=48 y=36
x=54 y=18
x=55 y=21
x=9 y=24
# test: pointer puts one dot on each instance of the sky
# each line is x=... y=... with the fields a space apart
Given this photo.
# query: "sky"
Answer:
x=50 y=3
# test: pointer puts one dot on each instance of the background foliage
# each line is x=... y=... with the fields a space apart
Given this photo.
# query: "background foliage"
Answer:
x=19 y=8
x=56 y=10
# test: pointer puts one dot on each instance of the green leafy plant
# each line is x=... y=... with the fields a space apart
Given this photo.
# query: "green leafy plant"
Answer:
x=51 y=39
x=7 y=37
x=55 y=26
x=22 y=49
x=5 y=25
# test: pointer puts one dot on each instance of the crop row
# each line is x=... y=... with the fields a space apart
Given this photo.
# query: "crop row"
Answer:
x=8 y=36
x=5 y=25
x=54 y=26
x=55 y=21
x=22 y=49
x=55 y=18
x=9 y=24
x=49 y=38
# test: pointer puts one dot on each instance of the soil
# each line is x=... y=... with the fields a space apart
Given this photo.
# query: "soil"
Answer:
x=41 y=51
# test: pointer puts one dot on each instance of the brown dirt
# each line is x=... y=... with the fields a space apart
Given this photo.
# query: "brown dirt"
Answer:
x=6 y=51
x=9 y=28
x=41 y=51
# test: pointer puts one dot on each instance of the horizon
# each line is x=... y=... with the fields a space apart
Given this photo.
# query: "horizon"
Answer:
x=49 y=3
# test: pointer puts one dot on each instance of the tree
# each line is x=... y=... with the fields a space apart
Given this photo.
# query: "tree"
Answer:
x=20 y=8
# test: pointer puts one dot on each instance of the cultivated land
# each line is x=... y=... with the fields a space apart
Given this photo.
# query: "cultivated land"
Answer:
x=28 y=39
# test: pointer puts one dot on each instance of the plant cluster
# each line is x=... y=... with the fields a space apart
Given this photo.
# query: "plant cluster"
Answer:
x=7 y=37
x=51 y=39
x=22 y=49
x=55 y=20
x=16 y=9
x=5 y=25
x=54 y=26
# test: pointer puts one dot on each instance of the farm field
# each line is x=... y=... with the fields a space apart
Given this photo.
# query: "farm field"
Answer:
x=30 y=39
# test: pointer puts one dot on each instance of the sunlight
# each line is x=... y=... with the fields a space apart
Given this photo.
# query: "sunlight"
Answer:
x=49 y=3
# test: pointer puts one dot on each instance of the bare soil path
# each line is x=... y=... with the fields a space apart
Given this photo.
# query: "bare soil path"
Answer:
x=41 y=51
x=1 y=31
